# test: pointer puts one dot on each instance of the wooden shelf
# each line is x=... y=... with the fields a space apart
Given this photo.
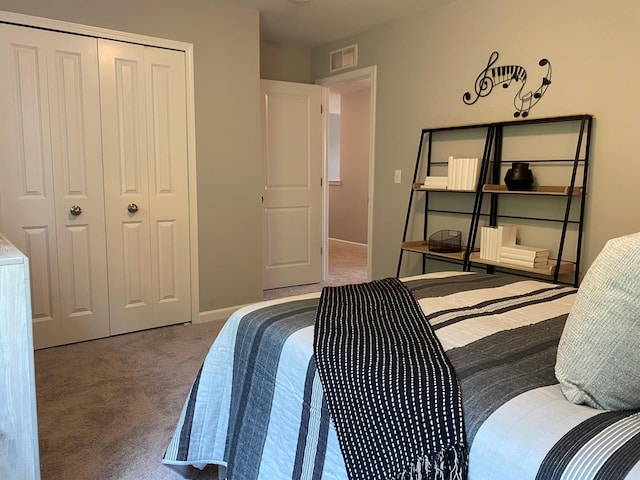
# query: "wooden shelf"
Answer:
x=422 y=246
x=421 y=187
x=562 y=191
x=550 y=269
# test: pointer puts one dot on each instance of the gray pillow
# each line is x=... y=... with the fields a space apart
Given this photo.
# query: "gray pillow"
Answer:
x=598 y=360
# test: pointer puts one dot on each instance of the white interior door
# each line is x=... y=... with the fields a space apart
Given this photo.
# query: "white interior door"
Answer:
x=293 y=164
x=51 y=161
x=145 y=175
x=168 y=185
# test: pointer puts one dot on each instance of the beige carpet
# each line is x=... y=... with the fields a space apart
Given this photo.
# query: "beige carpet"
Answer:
x=107 y=408
x=347 y=264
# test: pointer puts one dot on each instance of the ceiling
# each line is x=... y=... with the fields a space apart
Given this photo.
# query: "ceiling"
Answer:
x=309 y=23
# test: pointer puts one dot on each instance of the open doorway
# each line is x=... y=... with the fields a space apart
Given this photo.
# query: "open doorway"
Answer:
x=350 y=153
x=346 y=199
x=348 y=177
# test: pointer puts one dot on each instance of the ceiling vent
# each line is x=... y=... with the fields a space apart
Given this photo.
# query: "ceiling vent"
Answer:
x=343 y=58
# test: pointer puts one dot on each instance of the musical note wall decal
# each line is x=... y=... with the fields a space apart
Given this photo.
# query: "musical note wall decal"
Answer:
x=505 y=75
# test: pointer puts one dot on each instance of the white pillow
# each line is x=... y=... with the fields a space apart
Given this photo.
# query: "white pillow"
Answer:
x=598 y=361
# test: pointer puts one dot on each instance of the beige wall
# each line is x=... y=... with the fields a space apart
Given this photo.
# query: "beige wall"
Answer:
x=227 y=89
x=426 y=63
x=348 y=201
x=285 y=63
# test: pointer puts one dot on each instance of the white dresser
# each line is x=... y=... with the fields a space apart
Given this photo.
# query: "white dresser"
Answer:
x=19 y=457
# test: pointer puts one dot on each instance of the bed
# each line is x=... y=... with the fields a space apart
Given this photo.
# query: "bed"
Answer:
x=257 y=407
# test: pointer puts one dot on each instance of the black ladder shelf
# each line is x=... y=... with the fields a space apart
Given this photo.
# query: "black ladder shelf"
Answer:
x=492 y=165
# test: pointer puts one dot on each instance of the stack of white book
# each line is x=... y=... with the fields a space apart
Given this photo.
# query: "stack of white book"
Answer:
x=494 y=239
x=435 y=183
x=462 y=173
x=524 y=256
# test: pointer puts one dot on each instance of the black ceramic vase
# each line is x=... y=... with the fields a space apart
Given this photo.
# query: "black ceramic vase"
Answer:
x=519 y=177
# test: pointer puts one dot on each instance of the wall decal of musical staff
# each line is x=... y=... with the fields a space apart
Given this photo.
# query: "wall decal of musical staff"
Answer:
x=505 y=75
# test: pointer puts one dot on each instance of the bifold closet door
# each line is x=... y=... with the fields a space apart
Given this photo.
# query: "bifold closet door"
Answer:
x=51 y=191
x=145 y=176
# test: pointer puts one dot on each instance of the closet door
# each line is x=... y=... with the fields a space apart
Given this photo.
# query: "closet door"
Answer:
x=145 y=174
x=51 y=162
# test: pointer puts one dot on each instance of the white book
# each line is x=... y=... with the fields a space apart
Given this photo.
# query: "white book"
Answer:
x=532 y=252
x=435 y=182
x=524 y=263
x=526 y=258
x=435 y=179
x=475 y=172
x=450 y=173
x=497 y=240
x=452 y=180
x=487 y=243
x=461 y=172
x=492 y=239
x=464 y=175
x=484 y=242
x=493 y=244
x=457 y=173
x=490 y=242
x=506 y=237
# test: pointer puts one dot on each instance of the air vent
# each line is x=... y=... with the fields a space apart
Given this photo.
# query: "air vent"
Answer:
x=343 y=58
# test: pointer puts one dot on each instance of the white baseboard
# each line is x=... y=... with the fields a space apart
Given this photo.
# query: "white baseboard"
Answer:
x=220 y=315
x=349 y=242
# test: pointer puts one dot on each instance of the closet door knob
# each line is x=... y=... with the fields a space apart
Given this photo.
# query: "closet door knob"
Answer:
x=133 y=208
x=75 y=210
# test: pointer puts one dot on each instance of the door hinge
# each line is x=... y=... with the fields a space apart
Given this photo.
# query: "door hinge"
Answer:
x=321 y=111
x=321 y=181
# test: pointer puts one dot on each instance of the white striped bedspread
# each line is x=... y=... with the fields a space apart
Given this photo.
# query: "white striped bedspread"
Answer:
x=257 y=408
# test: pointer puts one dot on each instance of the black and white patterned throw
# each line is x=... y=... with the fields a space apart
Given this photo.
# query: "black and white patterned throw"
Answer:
x=391 y=391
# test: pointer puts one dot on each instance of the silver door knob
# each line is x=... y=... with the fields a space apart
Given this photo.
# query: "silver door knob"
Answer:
x=133 y=208
x=75 y=210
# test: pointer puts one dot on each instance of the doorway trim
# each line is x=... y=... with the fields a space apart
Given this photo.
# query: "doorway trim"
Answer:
x=187 y=48
x=353 y=75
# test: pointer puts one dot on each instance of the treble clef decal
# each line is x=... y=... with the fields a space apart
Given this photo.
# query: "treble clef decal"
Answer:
x=484 y=82
x=505 y=75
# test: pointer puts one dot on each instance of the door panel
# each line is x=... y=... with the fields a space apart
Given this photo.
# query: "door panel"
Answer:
x=292 y=123
x=288 y=230
x=168 y=185
x=167 y=256
x=78 y=238
x=77 y=173
x=134 y=246
x=36 y=246
x=145 y=168
x=27 y=201
x=53 y=161
x=125 y=179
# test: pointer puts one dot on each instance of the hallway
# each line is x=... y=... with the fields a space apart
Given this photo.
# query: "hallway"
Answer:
x=347 y=264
